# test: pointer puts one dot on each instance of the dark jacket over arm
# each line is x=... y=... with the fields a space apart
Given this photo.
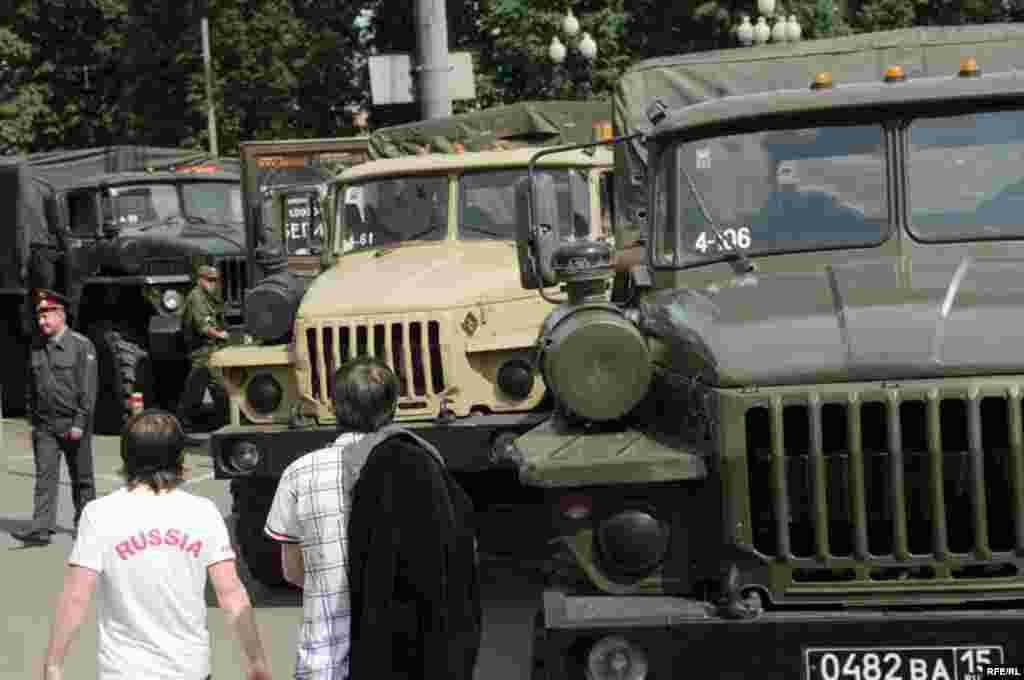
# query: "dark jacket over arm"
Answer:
x=412 y=569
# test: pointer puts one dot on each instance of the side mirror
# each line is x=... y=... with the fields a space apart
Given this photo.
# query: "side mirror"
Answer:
x=111 y=229
x=537 y=232
x=328 y=221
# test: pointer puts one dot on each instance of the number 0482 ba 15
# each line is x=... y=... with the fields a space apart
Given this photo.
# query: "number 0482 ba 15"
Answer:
x=900 y=663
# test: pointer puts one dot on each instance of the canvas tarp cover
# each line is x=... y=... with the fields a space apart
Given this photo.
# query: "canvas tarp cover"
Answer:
x=689 y=79
x=545 y=123
x=23 y=222
x=26 y=181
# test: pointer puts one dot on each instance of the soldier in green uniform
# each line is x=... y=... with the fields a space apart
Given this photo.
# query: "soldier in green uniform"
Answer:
x=203 y=325
x=60 y=400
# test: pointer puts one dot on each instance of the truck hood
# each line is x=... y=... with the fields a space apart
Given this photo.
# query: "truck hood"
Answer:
x=190 y=240
x=416 y=277
x=857 y=321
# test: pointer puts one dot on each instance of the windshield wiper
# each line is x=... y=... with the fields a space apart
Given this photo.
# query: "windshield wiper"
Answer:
x=161 y=223
x=421 y=233
x=481 y=230
x=741 y=264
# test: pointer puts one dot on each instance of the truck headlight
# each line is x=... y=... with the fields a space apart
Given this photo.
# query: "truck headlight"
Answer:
x=631 y=544
x=614 y=658
x=516 y=378
x=171 y=300
x=244 y=457
x=264 y=394
x=595 y=361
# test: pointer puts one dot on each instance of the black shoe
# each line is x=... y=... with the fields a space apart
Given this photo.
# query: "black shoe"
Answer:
x=33 y=537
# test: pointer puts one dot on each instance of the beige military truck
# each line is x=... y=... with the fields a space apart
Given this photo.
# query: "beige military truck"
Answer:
x=423 y=275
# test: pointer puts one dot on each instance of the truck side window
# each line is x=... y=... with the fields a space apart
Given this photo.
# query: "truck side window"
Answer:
x=82 y=214
x=607 y=197
x=579 y=187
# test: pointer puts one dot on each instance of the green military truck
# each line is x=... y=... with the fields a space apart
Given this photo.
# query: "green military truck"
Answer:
x=285 y=189
x=285 y=183
x=120 y=231
x=421 y=272
x=791 y=444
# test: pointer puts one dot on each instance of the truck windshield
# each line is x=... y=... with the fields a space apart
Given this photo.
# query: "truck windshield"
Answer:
x=487 y=208
x=213 y=202
x=217 y=203
x=966 y=177
x=388 y=212
x=772 y=191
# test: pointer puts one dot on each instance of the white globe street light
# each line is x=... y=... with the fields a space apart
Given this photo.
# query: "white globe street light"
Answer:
x=761 y=31
x=570 y=24
x=745 y=32
x=588 y=48
x=779 y=33
x=766 y=7
x=556 y=50
x=793 y=30
x=584 y=51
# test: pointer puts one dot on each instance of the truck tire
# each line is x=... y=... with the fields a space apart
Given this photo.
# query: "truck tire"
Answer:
x=122 y=368
x=262 y=556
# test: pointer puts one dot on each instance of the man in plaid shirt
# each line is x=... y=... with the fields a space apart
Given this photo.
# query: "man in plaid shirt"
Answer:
x=310 y=513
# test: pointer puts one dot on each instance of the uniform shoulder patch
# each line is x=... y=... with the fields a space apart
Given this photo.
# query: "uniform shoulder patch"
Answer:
x=90 y=349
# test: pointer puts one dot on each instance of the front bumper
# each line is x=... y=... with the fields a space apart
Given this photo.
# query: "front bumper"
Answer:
x=467 y=444
x=684 y=638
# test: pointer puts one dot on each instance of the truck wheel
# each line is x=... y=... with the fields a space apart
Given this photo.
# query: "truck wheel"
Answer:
x=262 y=556
x=123 y=368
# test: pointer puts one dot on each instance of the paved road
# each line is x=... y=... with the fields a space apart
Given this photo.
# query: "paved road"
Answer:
x=30 y=580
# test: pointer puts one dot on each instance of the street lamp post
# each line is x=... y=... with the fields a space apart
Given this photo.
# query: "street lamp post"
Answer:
x=211 y=115
x=578 y=56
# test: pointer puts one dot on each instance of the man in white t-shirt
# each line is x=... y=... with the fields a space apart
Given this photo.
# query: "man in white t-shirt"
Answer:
x=310 y=513
x=148 y=549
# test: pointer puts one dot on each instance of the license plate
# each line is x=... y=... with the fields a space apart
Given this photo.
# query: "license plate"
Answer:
x=900 y=663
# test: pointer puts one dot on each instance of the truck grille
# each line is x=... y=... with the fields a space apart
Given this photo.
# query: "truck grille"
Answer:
x=166 y=266
x=903 y=482
x=413 y=350
x=233 y=280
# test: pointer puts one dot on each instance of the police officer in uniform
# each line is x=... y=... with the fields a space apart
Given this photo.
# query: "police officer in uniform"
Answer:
x=203 y=325
x=60 y=400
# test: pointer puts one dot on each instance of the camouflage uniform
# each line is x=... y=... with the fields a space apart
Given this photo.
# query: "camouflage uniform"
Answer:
x=202 y=314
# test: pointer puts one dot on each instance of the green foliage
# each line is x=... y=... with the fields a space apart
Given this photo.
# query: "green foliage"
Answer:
x=22 y=101
x=87 y=72
x=883 y=15
x=131 y=71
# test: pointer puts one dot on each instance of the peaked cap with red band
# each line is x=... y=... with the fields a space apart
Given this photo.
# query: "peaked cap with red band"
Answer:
x=48 y=299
